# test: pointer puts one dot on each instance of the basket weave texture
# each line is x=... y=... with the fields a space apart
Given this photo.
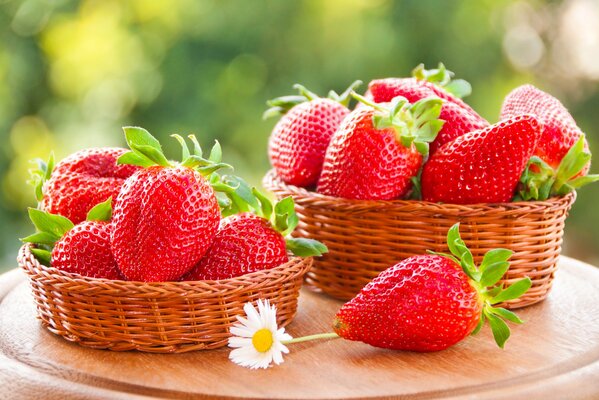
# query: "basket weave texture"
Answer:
x=366 y=237
x=161 y=317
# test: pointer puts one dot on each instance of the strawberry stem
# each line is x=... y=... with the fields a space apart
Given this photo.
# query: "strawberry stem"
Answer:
x=443 y=78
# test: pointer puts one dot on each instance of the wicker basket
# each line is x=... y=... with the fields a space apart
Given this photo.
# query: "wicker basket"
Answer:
x=162 y=317
x=366 y=237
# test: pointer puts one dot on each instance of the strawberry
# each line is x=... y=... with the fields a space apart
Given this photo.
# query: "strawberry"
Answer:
x=482 y=166
x=80 y=181
x=458 y=116
x=167 y=214
x=82 y=249
x=247 y=242
x=562 y=158
x=431 y=302
x=299 y=140
x=377 y=150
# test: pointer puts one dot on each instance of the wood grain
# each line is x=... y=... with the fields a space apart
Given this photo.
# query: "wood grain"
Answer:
x=554 y=355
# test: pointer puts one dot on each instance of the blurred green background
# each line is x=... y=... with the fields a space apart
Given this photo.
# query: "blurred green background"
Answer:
x=73 y=72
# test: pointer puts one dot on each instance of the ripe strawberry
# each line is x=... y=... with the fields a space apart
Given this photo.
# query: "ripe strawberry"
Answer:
x=247 y=242
x=482 y=166
x=300 y=139
x=459 y=117
x=430 y=302
x=82 y=249
x=81 y=181
x=562 y=157
x=377 y=151
x=166 y=215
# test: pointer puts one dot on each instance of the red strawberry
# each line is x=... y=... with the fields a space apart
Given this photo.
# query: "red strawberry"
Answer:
x=428 y=303
x=482 y=166
x=244 y=243
x=82 y=249
x=247 y=242
x=459 y=117
x=377 y=151
x=81 y=181
x=85 y=250
x=299 y=140
x=560 y=131
x=562 y=158
x=166 y=215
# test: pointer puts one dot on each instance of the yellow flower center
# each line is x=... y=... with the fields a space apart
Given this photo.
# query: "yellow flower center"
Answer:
x=262 y=340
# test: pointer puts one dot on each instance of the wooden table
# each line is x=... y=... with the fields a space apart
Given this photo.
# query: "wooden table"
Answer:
x=555 y=355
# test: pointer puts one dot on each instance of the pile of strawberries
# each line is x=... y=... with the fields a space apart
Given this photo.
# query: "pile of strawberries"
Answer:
x=134 y=215
x=415 y=138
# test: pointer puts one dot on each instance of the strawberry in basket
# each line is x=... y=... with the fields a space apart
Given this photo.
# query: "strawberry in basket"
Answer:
x=377 y=150
x=80 y=181
x=561 y=158
x=459 y=117
x=299 y=140
x=254 y=238
x=430 y=302
x=81 y=249
x=482 y=166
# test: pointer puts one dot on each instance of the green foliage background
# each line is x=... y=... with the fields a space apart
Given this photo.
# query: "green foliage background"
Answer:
x=72 y=73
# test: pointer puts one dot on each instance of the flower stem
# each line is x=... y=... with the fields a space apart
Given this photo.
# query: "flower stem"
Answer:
x=329 y=335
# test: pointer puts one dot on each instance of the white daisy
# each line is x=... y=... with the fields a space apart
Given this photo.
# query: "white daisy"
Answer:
x=256 y=340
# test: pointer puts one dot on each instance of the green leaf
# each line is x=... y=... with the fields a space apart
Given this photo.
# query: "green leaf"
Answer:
x=583 y=180
x=506 y=314
x=513 y=292
x=459 y=249
x=285 y=217
x=243 y=190
x=345 y=97
x=459 y=88
x=306 y=247
x=184 y=149
x=40 y=174
x=501 y=332
x=134 y=159
x=494 y=266
x=137 y=136
x=43 y=256
x=47 y=238
x=101 y=211
x=481 y=323
x=493 y=273
x=216 y=154
x=151 y=153
x=265 y=204
x=50 y=223
x=197 y=149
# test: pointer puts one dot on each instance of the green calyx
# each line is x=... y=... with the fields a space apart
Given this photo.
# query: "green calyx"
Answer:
x=50 y=228
x=416 y=124
x=281 y=105
x=443 y=77
x=243 y=198
x=540 y=181
x=40 y=174
x=146 y=151
x=485 y=279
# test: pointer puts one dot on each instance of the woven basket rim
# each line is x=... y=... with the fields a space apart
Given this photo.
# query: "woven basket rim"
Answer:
x=259 y=277
x=272 y=177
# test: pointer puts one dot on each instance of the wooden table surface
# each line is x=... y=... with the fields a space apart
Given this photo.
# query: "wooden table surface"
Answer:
x=554 y=355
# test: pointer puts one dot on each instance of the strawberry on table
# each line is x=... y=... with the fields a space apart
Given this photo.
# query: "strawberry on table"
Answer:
x=431 y=302
x=82 y=249
x=459 y=117
x=482 y=166
x=80 y=181
x=247 y=242
x=299 y=140
x=167 y=214
x=561 y=159
x=377 y=150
